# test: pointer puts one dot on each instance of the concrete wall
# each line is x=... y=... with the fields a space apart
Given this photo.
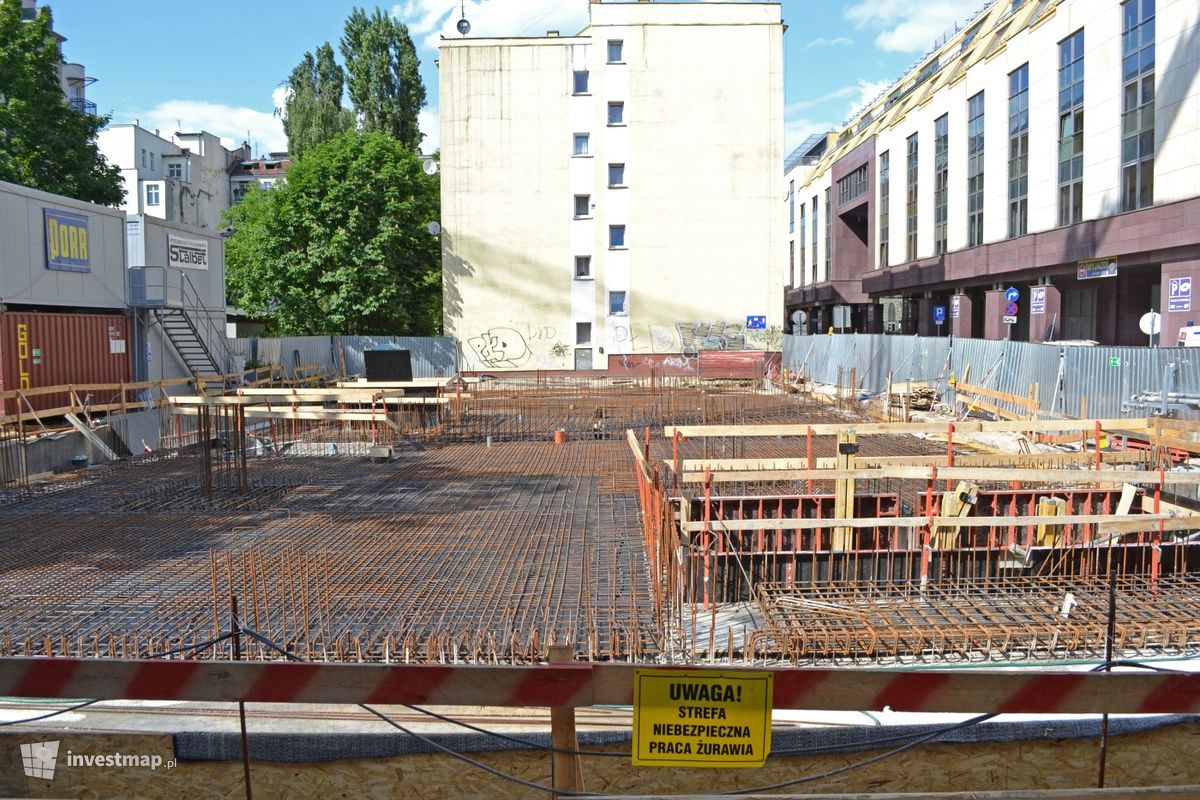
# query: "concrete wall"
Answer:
x=701 y=143
x=25 y=278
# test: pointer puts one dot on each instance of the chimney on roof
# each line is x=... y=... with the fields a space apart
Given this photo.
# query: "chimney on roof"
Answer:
x=552 y=33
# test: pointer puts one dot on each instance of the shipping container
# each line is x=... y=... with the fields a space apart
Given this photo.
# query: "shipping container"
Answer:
x=38 y=350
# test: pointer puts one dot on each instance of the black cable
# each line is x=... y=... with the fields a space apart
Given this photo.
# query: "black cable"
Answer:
x=479 y=764
x=859 y=764
x=51 y=714
x=498 y=735
x=197 y=646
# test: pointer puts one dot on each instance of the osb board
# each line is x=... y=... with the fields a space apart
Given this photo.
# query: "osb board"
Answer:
x=1165 y=756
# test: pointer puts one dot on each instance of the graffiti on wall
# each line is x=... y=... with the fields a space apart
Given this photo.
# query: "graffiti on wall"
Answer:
x=500 y=348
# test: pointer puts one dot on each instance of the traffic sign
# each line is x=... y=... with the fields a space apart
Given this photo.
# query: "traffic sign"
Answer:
x=1180 y=296
x=954 y=306
x=1037 y=300
x=1010 y=320
x=939 y=315
x=1010 y=309
x=1012 y=294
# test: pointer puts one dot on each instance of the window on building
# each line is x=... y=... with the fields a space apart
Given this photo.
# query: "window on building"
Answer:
x=616 y=175
x=616 y=113
x=828 y=234
x=152 y=195
x=616 y=235
x=1070 y=129
x=941 y=181
x=791 y=206
x=853 y=186
x=792 y=262
x=803 y=274
x=910 y=210
x=583 y=266
x=815 y=227
x=583 y=205
x=616 y=303
x=885 y=189
x=1018 y=151
x=616 y=51
x=152 y=161
x=975 y=170
x=1137 y=105
x=581 y=144
x=1016 y=4
x=175 y=170
x=580 y=85
x=143 y=156
x=583 y=333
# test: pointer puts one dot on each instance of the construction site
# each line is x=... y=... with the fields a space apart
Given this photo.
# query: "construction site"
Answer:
x=641 y=520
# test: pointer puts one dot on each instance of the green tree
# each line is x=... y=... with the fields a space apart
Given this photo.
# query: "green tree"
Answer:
x=343 y=246
x=44 y=143
x=384 y=81
x=313 y=111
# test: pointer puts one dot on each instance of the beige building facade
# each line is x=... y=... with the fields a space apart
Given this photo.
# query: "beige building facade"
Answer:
x=612 y=196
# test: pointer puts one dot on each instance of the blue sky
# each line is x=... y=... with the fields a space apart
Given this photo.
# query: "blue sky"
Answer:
x=219 y=69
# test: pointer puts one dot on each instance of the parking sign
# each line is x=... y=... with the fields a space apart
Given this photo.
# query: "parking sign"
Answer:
x=939 y=315
x=1179 y=297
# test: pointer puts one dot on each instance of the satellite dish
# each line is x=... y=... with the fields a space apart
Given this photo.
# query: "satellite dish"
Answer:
x=434 y=228
x=430 y=166
x=1151 y=323
x=464 y=27
x=799 y=317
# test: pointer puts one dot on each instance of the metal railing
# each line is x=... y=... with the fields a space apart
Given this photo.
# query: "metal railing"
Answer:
x=170 y=287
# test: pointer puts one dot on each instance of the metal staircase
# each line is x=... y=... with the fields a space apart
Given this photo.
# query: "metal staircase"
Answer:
x=170 y=296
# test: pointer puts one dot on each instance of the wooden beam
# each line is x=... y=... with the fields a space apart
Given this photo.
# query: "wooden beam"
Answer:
x=1025 y=691
x=903 y=428
x=977 y=474
x=1106 y=523
x=1128 y=793
x=333 y=414
x=1031 y=460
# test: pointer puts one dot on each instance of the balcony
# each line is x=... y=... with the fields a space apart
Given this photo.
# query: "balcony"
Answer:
x=82 y=105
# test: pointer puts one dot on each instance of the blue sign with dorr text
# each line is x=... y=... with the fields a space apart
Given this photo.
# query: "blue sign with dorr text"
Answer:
x=67 y=244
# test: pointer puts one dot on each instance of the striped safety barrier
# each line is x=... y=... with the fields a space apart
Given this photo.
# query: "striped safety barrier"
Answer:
x=565 y=685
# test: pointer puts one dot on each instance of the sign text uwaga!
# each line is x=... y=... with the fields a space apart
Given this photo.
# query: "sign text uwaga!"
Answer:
x=710 y=719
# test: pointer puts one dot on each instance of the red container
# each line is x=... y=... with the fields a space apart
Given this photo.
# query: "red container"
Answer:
x=39 y=350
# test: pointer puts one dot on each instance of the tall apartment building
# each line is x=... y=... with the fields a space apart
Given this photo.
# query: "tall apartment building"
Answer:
x=183 y=179
x=72 y=77
x=612 y=197
x=1047 y=146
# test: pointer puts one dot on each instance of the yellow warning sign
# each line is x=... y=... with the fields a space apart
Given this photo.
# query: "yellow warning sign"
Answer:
x=701 y=719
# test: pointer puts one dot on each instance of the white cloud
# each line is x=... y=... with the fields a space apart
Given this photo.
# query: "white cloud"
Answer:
x=821 y=41
x=867 y=91
x=234 y=124
x=433 y=19
x=906 y=26
x=798 y=129
x=429 y=123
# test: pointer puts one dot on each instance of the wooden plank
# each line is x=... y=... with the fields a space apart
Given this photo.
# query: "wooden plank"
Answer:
x=1032 y=460
x=575 y=685
x=91 y=436
x=638 y=455
x=1128 y=523
x=977 y=474
x=1026 y=403
x=1124 y=793
x=284 y=401
x=59 y=412
x=301 y=413
x=357 y=392
x=903 y=428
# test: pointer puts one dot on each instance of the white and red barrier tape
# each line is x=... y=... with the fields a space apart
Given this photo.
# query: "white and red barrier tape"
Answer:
x=974 y=691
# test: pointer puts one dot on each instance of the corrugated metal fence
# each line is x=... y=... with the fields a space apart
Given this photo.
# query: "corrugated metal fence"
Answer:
x=432 y=357
x=1109 y=381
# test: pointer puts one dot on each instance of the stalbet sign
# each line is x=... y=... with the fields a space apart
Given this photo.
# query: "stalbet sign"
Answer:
x=67 y=244
x=187 y=253
x=701 y=720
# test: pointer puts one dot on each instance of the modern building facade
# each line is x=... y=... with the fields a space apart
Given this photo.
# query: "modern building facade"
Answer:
x=185 y=178
x=1047 y=146
x=612 y=197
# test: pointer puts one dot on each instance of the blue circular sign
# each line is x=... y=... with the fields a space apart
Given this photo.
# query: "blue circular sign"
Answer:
x=1010 y=309
x=1012 y=294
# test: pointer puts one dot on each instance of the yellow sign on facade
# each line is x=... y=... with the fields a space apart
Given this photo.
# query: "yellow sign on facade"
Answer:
x=708 y=719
